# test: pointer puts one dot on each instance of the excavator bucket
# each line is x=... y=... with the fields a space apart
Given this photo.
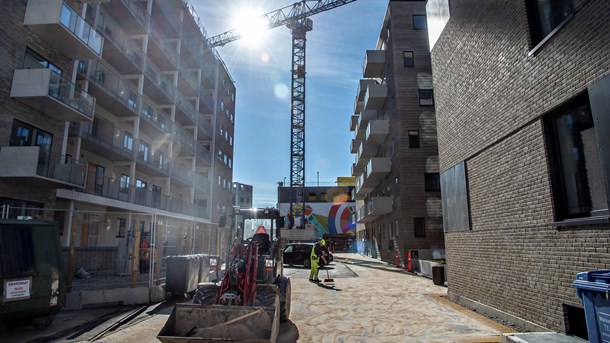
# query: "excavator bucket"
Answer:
x=193 y=323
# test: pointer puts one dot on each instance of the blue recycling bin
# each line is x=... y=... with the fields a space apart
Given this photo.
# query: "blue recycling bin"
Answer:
x=593 y=288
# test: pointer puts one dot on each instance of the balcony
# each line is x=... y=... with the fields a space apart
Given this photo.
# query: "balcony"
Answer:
x=186 y=140
x=202 y=183
x=182 y=175
x=104 y=139
x=375 y=207
x=48 y=92
x=112 y=92
x=355 y=145
x=205 y=129
x=130 y=13
x=353 y=122
x=204 y=157
x=360 y=190
x=124 y=54
x=38 y=167
x=152 y=162
x=376 y=169
x=375 y=97
x=363 y=122
x=377 y=131
x=58 y=24
x=374 y=62
x=356 y=171
x=363 y=85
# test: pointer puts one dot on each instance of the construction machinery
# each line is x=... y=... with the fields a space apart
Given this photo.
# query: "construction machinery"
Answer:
x=251 y=300
x=296 y=18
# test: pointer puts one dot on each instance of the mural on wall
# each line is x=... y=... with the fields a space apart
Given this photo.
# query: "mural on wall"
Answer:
x=327 y=217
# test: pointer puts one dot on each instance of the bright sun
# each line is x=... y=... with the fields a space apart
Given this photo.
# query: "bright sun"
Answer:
x=250 y=25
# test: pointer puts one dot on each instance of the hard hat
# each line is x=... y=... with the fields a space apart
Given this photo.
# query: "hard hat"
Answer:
x=322 y=242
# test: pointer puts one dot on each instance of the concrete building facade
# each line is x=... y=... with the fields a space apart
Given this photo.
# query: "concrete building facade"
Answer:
x=116 y=121
x=397 y=189
x=522 y=111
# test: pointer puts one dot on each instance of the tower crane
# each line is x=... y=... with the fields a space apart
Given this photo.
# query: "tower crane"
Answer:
x=296 y=18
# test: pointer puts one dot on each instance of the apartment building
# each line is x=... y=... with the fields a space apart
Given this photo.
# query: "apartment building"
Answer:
x=522 y=110
x=116 y=121
x=242 y=195
x=397 y=189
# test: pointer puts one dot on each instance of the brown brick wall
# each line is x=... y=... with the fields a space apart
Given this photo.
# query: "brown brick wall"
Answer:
x=490 y=97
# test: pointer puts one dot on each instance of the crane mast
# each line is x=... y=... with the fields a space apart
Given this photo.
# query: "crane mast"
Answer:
x=295 y=17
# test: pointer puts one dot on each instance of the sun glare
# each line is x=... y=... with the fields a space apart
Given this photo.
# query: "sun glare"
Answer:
x=250 y=25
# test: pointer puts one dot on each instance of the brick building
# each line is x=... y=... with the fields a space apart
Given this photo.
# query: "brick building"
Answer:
x=116 y=121
x=522 y=111
x=397 y=193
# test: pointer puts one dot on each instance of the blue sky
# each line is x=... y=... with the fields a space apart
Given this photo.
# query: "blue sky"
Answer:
x=335 y=54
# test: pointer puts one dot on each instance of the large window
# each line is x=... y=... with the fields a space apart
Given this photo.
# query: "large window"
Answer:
x=578 y=182
x=546 y=15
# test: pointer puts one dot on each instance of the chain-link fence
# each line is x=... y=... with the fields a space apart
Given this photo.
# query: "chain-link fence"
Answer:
x=105 y=250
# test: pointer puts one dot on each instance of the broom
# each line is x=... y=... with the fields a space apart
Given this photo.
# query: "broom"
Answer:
x=328 y=281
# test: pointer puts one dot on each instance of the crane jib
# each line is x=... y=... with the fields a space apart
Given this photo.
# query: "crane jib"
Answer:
x=281 y=17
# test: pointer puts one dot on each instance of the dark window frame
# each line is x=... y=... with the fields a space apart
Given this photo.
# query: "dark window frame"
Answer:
x=538 y=32
x=432 y=182
x=121 y=227
x=408 y=62
x=426 y=97
x=419 y=227
x=414 y=142
x=577 y=107
x=417 y=24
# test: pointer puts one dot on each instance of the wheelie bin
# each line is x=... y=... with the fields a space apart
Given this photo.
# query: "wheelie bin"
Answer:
x=593 y=288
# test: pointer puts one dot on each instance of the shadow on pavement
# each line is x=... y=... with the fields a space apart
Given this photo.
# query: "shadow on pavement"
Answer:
x=376 y=265
x=289 y=333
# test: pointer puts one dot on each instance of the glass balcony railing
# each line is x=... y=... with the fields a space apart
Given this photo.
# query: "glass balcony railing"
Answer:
x=137 y=10
x=185 y=138
x=80 y=28
x=71 y=95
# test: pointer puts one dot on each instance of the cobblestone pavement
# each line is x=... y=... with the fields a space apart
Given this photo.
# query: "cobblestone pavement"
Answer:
x=382 y=304
x=371 y=301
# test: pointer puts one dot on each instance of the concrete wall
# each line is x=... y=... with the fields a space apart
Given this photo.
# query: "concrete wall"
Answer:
x=490 y=99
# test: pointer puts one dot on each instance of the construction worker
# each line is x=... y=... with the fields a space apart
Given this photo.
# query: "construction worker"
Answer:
x=318 y=253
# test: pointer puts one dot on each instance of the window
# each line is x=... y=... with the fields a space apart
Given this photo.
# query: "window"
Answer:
x=576 y=169
x=33 y=60
x=419 y=22
x=124 y=183
x=128 y=141
x=413 y=139
x=407 y=57
x=219 y=155
x=546 y=15
x=141 y=184
x=98 y=187
x=426 y=97
x=143 y=151
x=454 y=199
x=419 y=226
x=121 y=226
x=432 y=182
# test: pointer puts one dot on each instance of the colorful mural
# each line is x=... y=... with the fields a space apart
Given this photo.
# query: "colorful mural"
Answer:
x=328 y=218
